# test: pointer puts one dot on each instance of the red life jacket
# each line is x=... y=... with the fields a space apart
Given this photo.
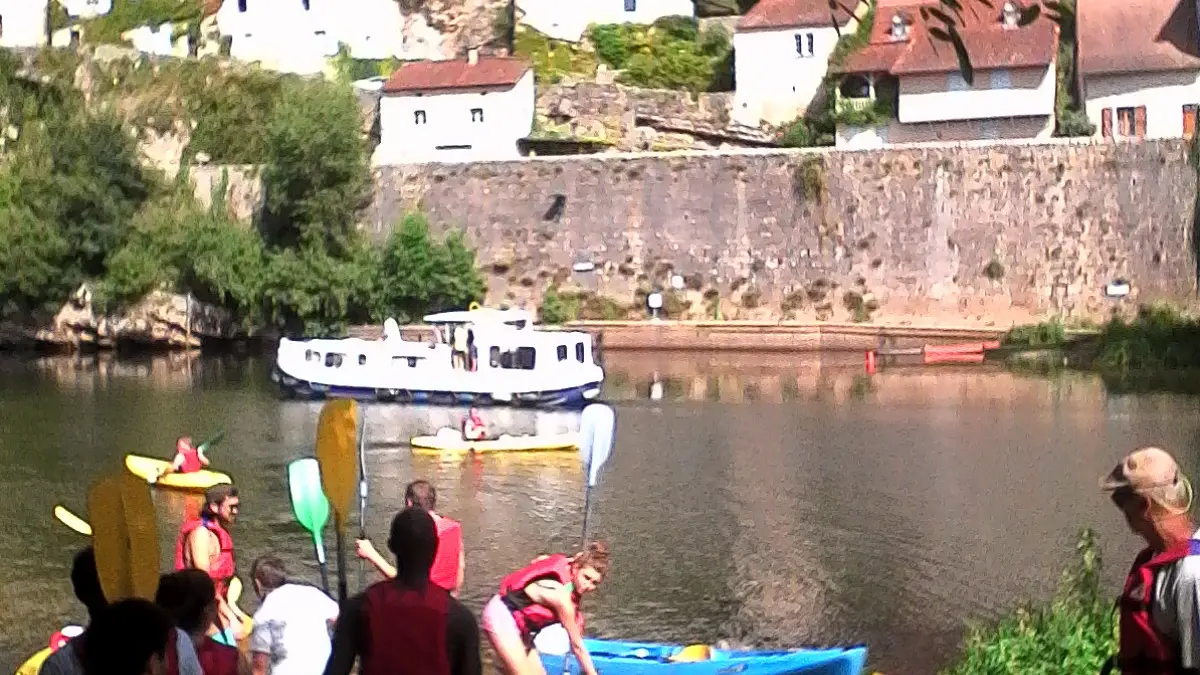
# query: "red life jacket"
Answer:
x=530 y=616
x=216 y=658
x=1143 y=649
x=224 y=567
x=445 y=564
x=404 y=631
x=191 y=457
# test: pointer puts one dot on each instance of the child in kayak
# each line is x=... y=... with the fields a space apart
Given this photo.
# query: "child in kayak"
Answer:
x=188 y=459
x=546 y=592
x=473 y=428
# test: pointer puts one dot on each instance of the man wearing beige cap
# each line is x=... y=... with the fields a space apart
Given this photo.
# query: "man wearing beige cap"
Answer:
x=1160 y=606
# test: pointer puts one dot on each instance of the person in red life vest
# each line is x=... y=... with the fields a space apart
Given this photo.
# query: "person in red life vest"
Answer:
x=130 y=637
x=189 y=597
x=407 y=625
x=205 y=544
x=548 y=591
x=188 y=459
x=449 y=565
x=473 y=428
x=1160 y=604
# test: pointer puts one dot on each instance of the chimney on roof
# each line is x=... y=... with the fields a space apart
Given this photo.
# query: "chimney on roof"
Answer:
x=472 y=56
x=899 y=29
x=1010 y=15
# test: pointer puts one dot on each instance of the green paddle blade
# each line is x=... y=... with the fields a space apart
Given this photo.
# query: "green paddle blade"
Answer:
x=212 y=441
x=308 y=500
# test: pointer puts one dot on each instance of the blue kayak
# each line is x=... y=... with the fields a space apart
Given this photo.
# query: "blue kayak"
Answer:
x=643 y=658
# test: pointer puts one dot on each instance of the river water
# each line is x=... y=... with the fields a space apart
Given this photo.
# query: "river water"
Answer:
x=764 y=500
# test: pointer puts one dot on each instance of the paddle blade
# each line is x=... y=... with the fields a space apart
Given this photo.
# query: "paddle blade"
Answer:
x=597 y=427
x=337 y=431
x=72 y=521
x=308 y=501
x=235 y=591
x=125 y=537
x=212 y=441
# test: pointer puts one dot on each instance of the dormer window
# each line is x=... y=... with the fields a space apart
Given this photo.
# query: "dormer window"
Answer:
x=1010 y=15
x=899 y=29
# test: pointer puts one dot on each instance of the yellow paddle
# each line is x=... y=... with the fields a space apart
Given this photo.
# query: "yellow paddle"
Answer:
x=72 y=521
x=337 y=430
x=124 y=536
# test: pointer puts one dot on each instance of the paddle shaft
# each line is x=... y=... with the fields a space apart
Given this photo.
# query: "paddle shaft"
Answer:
x=362 y=496
x=587 y=509
x=341 y=559
x=321 y=561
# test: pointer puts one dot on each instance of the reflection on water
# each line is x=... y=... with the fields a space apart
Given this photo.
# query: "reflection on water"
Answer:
x=769 y=500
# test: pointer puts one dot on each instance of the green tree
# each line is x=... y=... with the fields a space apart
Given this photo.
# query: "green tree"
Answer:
x=316 y=177
x=420 y=275
x=33 y=257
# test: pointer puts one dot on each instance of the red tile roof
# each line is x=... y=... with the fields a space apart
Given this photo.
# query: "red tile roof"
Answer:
x=989 y=43
x=779 y=14
x=487 y=73
x=211 y=7
x=1137 y=36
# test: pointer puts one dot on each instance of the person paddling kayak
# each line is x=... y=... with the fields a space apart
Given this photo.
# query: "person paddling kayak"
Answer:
x=1159 y=607
x=473 y=428
x=188 y=458
x=548 y=591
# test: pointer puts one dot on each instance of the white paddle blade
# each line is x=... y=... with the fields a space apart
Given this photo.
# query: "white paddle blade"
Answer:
x=597 y=426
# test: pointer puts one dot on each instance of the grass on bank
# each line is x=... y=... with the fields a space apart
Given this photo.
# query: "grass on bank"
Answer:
x=1073 y=634
x=1159 y=338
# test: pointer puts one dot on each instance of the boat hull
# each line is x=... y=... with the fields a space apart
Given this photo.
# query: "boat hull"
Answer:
x=637 y=658
x=444 y=443
x=148 y=468
x=572 y=397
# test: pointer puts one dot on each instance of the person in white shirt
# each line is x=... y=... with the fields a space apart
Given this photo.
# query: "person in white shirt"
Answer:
x=294 y=624
x=85 y=580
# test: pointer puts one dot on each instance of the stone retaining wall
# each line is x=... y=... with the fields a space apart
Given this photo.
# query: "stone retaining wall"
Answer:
x=989 y=234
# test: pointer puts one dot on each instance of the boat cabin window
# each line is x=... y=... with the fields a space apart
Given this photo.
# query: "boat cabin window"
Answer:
x=562 y=352
x=362 y=359
x=579 y=354
x=333 y=360
x=521 y=358
x=410 y=361
x=310 y=355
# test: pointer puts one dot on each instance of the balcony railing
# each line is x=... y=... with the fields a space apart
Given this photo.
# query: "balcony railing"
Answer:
x=845 y=105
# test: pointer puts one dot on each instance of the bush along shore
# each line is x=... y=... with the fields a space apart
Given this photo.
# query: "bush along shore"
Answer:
x=1158 y=349
x=1072 y=634
x=79 y=207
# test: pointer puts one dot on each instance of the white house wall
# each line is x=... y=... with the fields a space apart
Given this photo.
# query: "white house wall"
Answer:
x=507 y=117
x=775 y=83
x=86 y=9
x=1163 y=94
x=1039 y=127
x=1019 y=92
x=283 y=35
x=567 y=19
x=22 y=23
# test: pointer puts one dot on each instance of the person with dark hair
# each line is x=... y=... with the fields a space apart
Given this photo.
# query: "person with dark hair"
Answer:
x=85 y=579
x=189 y=597
x=205 y=544
x=292 y=625
x=407 y=625
x=129 y=637
x=449 y=566
x=548 y=591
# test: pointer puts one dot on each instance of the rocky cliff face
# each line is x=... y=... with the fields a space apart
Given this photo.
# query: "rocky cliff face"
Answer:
x=447 y=28
x=163 y=320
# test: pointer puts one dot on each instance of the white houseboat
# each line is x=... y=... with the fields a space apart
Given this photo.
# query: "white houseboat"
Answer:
x=475 y=357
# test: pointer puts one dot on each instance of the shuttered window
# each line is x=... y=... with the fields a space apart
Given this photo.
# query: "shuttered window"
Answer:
x=1106 y=129
x=1139 y=121
x=1189 y=120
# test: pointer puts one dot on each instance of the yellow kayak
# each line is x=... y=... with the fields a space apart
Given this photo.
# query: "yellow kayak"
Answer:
x=148 y=469
x=34 y=663
x=449 y=440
